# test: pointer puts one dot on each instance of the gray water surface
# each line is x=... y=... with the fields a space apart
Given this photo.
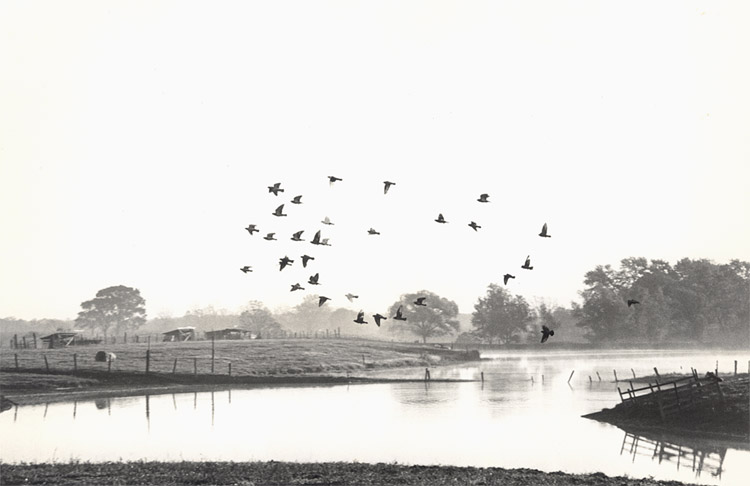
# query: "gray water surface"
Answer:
x=508 y=421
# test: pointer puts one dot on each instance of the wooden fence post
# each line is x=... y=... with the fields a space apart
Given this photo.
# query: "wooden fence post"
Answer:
x=590 y=380
x=195 y=366
x=148 y=360
x=24 y=342
x=615 y=372
x=109 y=363
x=174 y=366
x=735 y=367
x=571 y=375
x=633 y=371
x=75 y=362
x=34 y=340
x=656 y=372
x=213 y=353
x=230 y=368
x=599 y=376
x=46 y=363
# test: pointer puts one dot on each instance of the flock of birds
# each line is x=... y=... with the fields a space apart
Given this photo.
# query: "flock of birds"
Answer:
x=318 y=239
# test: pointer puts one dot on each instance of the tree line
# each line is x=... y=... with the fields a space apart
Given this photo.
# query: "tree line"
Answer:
x=692 y=302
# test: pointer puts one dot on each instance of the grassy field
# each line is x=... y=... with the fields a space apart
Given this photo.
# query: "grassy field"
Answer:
x=272 y=357
x=286 y=473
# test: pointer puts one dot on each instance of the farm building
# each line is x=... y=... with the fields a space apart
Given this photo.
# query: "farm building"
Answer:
x=180 y=334
x=62 y=339
x=230 y=333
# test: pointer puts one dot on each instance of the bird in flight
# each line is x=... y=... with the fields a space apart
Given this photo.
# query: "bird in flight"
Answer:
x=378 y=318
x=297 y=200
x=546 y=333
x=507 y=277
x=297 y=287
x=474 y=226
x=420 y=301
x=441 y=219
x=316 y=238
x=388 y=185
x=332 y=179
x=322 y=300
x=360 y=318
x=351 y=297
x=275 y=189
x=313 y=280
x=246 y=268
x=251 y=228
x=279 y=211
x=483 y=198
x=297 y=236
x=372 y=231
x=283 y=262
x=544 y=234
x=527 y=264
x=270 y=237
x=305 y=259
x=324 y=242
x=326 y=220
x=632 y=302
x=399 y=315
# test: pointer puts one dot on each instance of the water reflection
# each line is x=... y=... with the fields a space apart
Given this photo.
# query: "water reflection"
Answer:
x=683 y=454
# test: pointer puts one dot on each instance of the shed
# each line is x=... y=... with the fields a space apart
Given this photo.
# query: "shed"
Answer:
x=180 y=334
x=230 y=333
x=61 y=339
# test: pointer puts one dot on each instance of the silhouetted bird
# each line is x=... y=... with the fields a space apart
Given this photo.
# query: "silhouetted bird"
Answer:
x=322 y=300
x=507 y=277
x=372 y=231
x=316 y=238
x=296 y=236
x=474 y=226
x=360 y=318
x=279 y=211
x=283 y=262
x=297 y=200
x=441 y=219
x=275 y=189
x=326 y=220
x=270 y=237
x=399 y=316
x=247 y=268
x=632 y=302
x=351 y=297
x=420 y=301
x=251 y=228
x=527 y=264
x=324 y=242
x=388 y=185
x=297 y=287
x=305 y=259
x=378 y=318
x=332 y=179
x=314 y=279
x=483 y=198
x=544 y=234
x=546 y=333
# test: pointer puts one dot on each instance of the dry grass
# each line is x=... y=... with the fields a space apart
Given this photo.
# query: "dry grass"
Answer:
x=286 y=473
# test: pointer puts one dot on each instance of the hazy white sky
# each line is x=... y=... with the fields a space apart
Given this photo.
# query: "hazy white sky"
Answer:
x=137 y=140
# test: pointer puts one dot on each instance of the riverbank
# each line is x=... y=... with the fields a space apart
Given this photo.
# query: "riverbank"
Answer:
x=722 y=416
x=285 y=473
x=73 y=374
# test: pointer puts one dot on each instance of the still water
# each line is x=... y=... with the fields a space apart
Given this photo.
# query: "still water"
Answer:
x=507 y=421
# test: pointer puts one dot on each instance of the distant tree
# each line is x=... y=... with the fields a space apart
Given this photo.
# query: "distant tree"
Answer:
x=437 y=318
x=116 y=308
x=307 y=316
x=499 y=316
x=259 y=320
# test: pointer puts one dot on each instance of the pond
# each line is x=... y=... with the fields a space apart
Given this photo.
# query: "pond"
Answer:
x=509 y=420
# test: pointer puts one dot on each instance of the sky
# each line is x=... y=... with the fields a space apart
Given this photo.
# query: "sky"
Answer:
x=138 y=139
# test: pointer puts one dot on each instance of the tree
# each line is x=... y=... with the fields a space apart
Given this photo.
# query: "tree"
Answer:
x=500 y=316
x=307 y=316
x=436 y=318
x=120 y=308
x=258 y=319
